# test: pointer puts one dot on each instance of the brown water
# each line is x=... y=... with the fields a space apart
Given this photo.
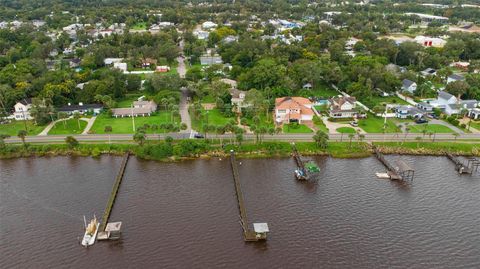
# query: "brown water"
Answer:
x=184 y=215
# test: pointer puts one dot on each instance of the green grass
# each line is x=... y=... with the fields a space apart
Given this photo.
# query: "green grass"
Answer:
x=346 y=130
x=473 y=124
x=208 y=99
x=296 y=129
x=378 y=100
x=434 y=128
x=128 y=100
x=214 y=118
x=139 y=26
x=324 y=91
x=12 y=128
x=69 y=127
x=264 y=121
x=124 y=125
x=374 y=124
x=320 y=125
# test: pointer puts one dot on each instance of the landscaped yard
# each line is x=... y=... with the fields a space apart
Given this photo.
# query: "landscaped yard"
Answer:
x=378 y=100
x=374 y=124
x=433 y=128
x=208 y=99
x=68 y=127
x=125 y=125
x=213 y=117
x=12 y=128
x=346 y=130
x=264 y=121
x=128 y=100
x=294 y=128
x=320 y=125
x=324 y=91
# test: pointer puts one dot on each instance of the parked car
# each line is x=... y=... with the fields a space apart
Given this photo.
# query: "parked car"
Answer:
x=421 y=120
x=198 y=136
x=354 y=123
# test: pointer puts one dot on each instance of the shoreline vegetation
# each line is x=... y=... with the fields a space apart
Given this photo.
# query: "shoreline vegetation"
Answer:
x=184 y=149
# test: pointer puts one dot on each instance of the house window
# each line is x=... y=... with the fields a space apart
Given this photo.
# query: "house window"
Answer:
x=282 y=111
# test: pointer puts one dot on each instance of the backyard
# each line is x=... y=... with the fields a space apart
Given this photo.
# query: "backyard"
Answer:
x=140 y=26
x=68 y=127
x=12 y=128
x=378 y=100
x=125 y=125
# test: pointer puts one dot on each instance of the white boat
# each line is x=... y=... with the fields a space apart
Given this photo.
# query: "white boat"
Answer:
x=91 y=231
x=383 y=175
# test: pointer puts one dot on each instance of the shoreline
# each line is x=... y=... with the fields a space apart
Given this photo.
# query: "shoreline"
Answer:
x=172 y=152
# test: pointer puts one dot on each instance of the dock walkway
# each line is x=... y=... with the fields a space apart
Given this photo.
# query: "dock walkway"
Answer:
x=113 y=194
x=249 y=234
x=400 y=172
x=462 y=168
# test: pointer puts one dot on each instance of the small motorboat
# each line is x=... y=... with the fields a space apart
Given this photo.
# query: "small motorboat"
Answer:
x=91 y=231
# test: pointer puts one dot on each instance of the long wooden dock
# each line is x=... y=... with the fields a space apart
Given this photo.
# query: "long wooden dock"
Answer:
x=299 y=161
x=249 y=234
x=113 y=194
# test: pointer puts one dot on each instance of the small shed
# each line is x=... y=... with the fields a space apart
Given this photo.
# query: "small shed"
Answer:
x=113 y=230
x=261 y=230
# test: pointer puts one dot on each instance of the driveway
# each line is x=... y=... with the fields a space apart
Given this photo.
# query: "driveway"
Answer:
x=89 y=121
x=183 y=109
x=333 y=126
x=441 y=122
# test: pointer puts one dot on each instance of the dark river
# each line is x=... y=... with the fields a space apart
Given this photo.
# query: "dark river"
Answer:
x=185 y=215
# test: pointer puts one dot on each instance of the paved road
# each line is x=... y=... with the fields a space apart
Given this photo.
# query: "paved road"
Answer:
x=183 y=107
x=280 y=137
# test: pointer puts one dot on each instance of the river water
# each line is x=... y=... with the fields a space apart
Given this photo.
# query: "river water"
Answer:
x=185 y=215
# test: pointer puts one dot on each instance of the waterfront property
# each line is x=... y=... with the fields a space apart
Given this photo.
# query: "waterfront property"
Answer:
x=81 y=108
x=342 y=107
x=293 y=109
x=22 y=109
x=139 y=108
x=409 y=86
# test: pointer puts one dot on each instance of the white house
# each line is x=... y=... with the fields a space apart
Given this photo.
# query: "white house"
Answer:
x=455 y=77
x=342 y=107
x=451 y=104
x=208 y=25
x=409 y=86
x=22 y=110
x=427 y=41
x=121 y=66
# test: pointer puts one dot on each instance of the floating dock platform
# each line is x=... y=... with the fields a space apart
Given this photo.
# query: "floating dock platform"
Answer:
x=400 y=171
x=469 y=167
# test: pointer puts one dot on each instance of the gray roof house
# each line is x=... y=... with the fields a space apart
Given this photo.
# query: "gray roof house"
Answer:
x=455 y=77
x=429 y=72
x=409 y=86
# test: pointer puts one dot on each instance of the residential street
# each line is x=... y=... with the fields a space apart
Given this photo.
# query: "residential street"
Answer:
x=184 y=101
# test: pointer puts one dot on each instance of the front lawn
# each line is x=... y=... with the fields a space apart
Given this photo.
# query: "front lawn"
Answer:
x=68 y=127
x=140 y=26
x=12 y=128
x=264 y=121
x=125 y=125
x=320 y=124
x=346 y=130
x=430 y=128
x=374 y=124
x=294 y=128
x=213 y=117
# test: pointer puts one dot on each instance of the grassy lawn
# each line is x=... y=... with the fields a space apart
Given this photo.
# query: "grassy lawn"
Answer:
x=378 y=100
x=264 y=121
x=124 y=125
x=214 y=118
x=127 y=101
x=374 y=124
x=434 y=128
x=346 y=130
x=12 y=128
x=475 y=125
x=296 y=129
x=140 y=26
x=320 y=125
x=208 y=99
x=69 y=127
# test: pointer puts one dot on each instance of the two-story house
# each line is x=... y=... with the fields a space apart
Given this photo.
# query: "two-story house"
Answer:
x=451 y=104
x=342 y=107
x=293 y=109
x=22 y=110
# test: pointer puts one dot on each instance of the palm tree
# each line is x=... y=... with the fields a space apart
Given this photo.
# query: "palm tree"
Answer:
x=418 y=138
x=22 y=134
x=154 y=128
x=76 y=116
x=62 y=116
x=108 y=129
x=139 y=137
x=351 y=136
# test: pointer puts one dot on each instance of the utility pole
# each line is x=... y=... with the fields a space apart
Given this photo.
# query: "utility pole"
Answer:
x=133 y=119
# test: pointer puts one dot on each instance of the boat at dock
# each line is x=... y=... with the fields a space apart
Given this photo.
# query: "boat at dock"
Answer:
x=91 y=231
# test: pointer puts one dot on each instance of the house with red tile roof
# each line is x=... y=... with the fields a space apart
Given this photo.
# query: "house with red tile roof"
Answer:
x=293 y=109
